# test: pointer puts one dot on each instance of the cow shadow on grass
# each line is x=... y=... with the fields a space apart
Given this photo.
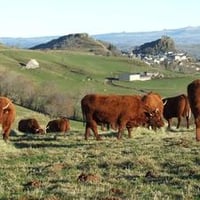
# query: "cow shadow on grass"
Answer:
x=46 y=141
x=13 y=133
x=111 y=134
x=175 y=130
x=23 y=145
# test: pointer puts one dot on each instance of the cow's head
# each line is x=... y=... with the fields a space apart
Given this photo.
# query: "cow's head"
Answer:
x=154 y=118
x=39 y=131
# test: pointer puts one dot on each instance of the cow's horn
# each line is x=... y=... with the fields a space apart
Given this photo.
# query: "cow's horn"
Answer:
x=165 y=101
x=5 y=107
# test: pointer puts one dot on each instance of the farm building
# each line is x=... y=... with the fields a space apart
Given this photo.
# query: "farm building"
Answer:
x=134 y=77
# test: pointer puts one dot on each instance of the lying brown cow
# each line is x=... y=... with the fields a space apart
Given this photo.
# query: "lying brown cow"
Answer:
x=178 y=107
x=7 y=116
x=120 y=111
x=30 y=125
x=58 y=125
x=193 y=90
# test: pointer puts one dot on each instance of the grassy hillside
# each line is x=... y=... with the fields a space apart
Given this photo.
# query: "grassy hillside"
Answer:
x=74 y=72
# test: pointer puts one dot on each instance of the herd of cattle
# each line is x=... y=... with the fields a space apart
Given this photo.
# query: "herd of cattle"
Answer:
x=116 y=111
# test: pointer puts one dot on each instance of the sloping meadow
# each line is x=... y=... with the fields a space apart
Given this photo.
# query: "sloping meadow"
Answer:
x=150 y=165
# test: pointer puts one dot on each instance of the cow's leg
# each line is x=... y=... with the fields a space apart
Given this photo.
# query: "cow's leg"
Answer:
x=87 y=131
x=121 y=127
x=179 y=121
x=187 y=121
x=169 y=123
x=197 y=123
x=103 y=126
x=94 y=129
x=92 y=125
x=198 y=134
x=6 y=128
x=6 y=125
x=129 y=131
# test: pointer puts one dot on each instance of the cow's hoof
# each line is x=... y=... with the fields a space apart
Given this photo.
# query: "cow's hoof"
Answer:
x=99 y=138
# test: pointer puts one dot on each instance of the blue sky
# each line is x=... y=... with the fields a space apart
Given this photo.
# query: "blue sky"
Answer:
x=33 y=18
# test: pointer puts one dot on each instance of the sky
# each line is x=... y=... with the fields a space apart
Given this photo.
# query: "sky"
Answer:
x=36 y=18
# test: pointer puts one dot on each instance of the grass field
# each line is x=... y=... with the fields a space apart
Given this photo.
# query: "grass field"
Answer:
x=150 y=165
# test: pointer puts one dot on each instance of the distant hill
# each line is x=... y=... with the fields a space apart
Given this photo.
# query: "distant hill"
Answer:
x=181 y=36
x=163 y=45
x=80 y=42
x=25 y=42
x=184 y=38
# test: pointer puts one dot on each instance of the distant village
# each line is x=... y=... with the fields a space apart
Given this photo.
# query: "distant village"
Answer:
x=179 y=61
x=171 y=59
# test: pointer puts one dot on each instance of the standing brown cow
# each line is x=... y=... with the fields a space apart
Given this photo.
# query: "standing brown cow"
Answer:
x=30 y=125
x=7 y=116
x=178 y=107
x=58 y=125
x=193 y=90
x=118 y=110
x=154 y=101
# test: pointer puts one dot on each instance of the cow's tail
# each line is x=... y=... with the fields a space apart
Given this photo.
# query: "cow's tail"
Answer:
x=83 y=115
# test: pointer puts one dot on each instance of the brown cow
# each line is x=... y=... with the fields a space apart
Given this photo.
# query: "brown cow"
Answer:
x=58 y=125
x=118 y=110
x=193 y=90
x=7 y=116
x=178 y=107
x=154 y=101
x=30 y=125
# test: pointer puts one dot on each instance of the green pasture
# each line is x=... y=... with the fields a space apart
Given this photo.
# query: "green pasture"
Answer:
x=150 y=165
x=76 y=72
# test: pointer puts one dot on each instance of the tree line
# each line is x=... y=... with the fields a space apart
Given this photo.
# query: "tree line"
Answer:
x=45 y=98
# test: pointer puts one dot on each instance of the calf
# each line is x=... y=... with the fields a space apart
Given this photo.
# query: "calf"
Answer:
x=30 y=125
x=58 y=125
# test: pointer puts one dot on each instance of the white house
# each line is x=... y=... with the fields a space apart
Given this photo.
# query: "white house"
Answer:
x=134 y=77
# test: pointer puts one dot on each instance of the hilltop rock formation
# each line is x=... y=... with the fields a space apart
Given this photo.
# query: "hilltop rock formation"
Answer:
x=79 y=42
x=163 y=45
